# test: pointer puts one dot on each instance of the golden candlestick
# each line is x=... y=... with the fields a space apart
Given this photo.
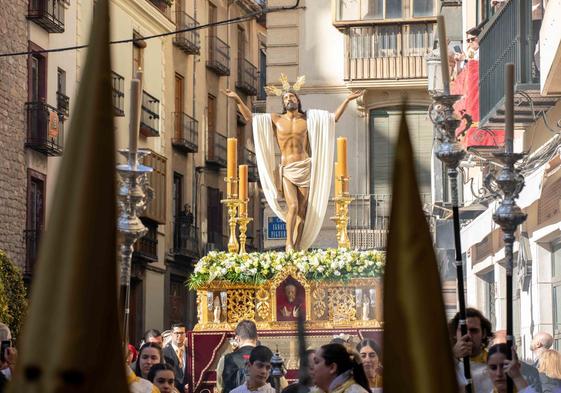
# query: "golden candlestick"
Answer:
x=243 y=220
x=341 y=217
x=232 y=202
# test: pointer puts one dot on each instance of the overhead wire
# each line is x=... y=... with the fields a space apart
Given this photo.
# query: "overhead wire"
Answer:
x=242 y=18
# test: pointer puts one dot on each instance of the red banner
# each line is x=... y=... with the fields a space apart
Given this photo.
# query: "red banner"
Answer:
x=467 y=85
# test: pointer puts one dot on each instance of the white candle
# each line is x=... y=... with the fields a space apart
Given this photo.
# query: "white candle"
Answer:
x=135 y=111
x=443 y=44
x=509 y=107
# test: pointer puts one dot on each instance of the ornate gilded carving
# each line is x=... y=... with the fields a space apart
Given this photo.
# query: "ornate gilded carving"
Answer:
x=241 y=305
x=342 y=306
x=318 y=305
x=263 y=306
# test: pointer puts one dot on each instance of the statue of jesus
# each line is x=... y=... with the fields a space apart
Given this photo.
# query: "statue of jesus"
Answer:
x=305 y=141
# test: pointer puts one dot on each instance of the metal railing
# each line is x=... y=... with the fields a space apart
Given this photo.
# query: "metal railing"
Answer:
x=45 y=128
x=188 y=41
x=369 y=219
x=186 y=135
x=147 y=246
x=247 y=77
x=49 y=14
x=63 y=103
x=387 y=51
x=216 y=152
x=218 y=56
x=150 y=118
x=32 y=238
x=185 y=237
x=118 y=87
x=507 y=38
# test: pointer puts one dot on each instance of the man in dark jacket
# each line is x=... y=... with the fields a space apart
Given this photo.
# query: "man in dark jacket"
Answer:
x=235 y=362
x=175 y=354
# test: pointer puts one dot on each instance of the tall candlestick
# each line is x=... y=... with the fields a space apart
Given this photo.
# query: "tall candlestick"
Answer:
x=232 y=165
x=134 y=124
x=509 y=107
x=342 y=156
x=443 y=44
x=338 y=182
x=243 y=188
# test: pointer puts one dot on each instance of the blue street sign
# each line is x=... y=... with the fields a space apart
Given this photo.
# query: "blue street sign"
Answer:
x=276 y=228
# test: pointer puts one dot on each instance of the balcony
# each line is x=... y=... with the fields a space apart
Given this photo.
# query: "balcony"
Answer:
x=63 y=103
x=218 y=56
x=45 y=131
x=32 y=238
x=188 y=41
x=259 y=106
x=146 y=248
x=150 y=118
x=216 y=152
x=216 y=241
x=49 y=14
x=186 y=138
x=251 y=160
x=118 y=86
x=247 y=77
x=387 y=52
x=508 y=38
x=185 y=238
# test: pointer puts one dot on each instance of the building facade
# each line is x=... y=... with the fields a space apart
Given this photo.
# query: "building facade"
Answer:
x=537 y=111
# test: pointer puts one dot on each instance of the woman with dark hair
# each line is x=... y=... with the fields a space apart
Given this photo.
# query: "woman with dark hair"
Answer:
x=499 y=367
x=163 y=377
x=338 y=371
x=148 y=355
x=370 y=354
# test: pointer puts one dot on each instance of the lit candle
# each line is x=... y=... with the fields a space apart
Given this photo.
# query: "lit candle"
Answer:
x=338 y=183
x=443 y=44
x=232 y=165
x=509 y=108
x=243 y=187
x=342 y=156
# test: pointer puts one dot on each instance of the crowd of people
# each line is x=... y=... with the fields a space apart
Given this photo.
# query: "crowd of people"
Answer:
x=340 y=366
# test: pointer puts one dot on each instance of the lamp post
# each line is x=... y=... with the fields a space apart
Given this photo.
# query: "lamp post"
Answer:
x=450 y=152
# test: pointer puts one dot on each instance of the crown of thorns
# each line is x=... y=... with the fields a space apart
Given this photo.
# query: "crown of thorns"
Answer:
x=286 y=88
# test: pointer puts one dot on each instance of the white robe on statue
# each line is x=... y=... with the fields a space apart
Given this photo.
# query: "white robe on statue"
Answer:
x=321 y=135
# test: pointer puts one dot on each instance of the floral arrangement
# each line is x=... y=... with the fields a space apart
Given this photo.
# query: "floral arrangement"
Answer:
x=257 y=268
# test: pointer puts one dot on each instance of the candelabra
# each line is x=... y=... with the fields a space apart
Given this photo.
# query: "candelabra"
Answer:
x=133 y=196
x=243 y=220
x=450 y=152
x=341 y=218
x=232 y=202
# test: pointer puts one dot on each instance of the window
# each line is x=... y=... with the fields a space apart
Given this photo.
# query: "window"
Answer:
x=262 y=74
x=214 y=216
x=137 y=52
x=556 y=292
x=61 y=81
x=212 y=17
x=423 y=8
x=349 y=10
x=490 y=296
x=177 y=194
x=35 y=216
x=179 y=104
x=37 y=65
x=384 y=126
x=156 y=209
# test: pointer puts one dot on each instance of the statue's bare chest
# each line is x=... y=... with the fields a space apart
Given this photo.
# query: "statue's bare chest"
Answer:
x=291 y=129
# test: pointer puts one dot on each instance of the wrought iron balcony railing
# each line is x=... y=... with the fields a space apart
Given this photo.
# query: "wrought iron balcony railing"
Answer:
x=216 y=151
x=247 y=77
x=387 y=51
x=218 y=56
x=49 y=14
x=185 y=237
x=188 y=41
x=63 y=103
x=509 y=37
x=45 y=129
x=32 y=238
x=150 y=118
x=118 y=85
x=186 y=136
x=146 y=247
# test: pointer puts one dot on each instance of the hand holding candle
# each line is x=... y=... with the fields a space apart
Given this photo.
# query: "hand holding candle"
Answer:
x=443 y=44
